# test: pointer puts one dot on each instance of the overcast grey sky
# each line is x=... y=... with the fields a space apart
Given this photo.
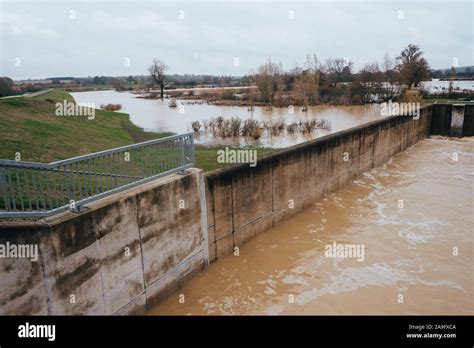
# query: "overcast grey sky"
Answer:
x=84 y=38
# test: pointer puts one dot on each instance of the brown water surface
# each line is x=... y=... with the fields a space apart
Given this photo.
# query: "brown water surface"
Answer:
x=156 y=115
x=407 y=250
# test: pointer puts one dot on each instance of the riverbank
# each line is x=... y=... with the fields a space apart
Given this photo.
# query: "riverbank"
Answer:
x=30 y=127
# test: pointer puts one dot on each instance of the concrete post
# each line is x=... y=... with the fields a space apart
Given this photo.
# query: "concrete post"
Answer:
x=457 y=120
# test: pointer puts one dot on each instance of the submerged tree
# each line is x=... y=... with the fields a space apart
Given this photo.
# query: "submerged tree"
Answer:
x=367 y=84
x=268 y=80
x=307 y=83
x=390 y=78
x=157 y=71
x=250 y=92
x=339 y=70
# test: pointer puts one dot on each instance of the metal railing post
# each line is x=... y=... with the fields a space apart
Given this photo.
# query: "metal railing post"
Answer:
x=4 y=187
x=192 y=149
x=181 y=156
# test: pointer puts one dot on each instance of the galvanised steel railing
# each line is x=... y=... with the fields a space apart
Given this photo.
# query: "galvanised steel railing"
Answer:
x=30 y=189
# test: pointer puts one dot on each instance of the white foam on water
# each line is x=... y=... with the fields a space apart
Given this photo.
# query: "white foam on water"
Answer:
x=292 y=279
x=379 y=274
x=274 y=310
x=269 y=291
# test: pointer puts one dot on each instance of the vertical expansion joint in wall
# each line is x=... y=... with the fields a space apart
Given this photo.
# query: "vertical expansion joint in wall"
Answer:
x=373 y=151
x=232 y=209
x=457 y=120
x=407 y=137
x=141 y=251
x=201 y=187
x=213 y=212
x=45 y=281
x=101 y=278
x=232 y=204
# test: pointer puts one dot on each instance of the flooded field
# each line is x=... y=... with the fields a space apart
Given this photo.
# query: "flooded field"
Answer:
x=410 y=221
x=156 y=115
x=436 y=86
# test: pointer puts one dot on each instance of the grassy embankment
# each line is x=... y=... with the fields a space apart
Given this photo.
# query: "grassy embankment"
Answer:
x=30 y=126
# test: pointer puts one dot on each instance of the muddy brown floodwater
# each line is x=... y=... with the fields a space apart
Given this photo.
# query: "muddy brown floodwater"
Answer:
x=156 y=115
x=414 y=219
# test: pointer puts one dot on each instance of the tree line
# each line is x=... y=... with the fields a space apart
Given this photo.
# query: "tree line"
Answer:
x=334 y=81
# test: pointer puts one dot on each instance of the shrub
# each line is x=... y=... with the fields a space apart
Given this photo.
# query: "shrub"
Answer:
x=308 y=126
x=111 y=107
x=235 y=123
x=410 y=96
x=227 y=94
x=291 y=128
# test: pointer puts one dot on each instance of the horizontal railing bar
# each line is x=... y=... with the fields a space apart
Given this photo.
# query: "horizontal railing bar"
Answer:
x=97 y=174
x=27 y=165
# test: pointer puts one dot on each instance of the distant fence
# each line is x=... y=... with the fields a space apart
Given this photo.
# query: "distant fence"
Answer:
x=30 y=189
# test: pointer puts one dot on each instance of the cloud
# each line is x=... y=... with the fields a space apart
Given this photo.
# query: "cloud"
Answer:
x=204 y=37
x=25 y=24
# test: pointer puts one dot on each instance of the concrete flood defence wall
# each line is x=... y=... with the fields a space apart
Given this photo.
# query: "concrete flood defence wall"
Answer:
x=134 y=248
x=243 y=201
x=120 y=257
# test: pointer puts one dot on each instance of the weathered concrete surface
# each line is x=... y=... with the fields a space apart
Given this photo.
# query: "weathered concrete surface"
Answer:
x=244 y=201
x=457 y=120
x=441 y=119
x=121 y=256
x=22 y=284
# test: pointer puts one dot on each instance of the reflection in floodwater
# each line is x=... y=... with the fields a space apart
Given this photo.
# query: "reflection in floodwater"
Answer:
x=411 y=216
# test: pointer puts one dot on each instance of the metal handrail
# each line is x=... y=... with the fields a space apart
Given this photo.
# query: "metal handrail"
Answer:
x=31 y=189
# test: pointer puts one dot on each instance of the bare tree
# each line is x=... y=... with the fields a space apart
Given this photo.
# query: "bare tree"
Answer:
x=280 y=88
x=302 y=88
x=309 y=80
x=157 y=71
x=388 y=63
x=369 y=82
x=339 y=69
x=389 y=87
x=413 y=66
x=250 y=92
x=268 y=81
